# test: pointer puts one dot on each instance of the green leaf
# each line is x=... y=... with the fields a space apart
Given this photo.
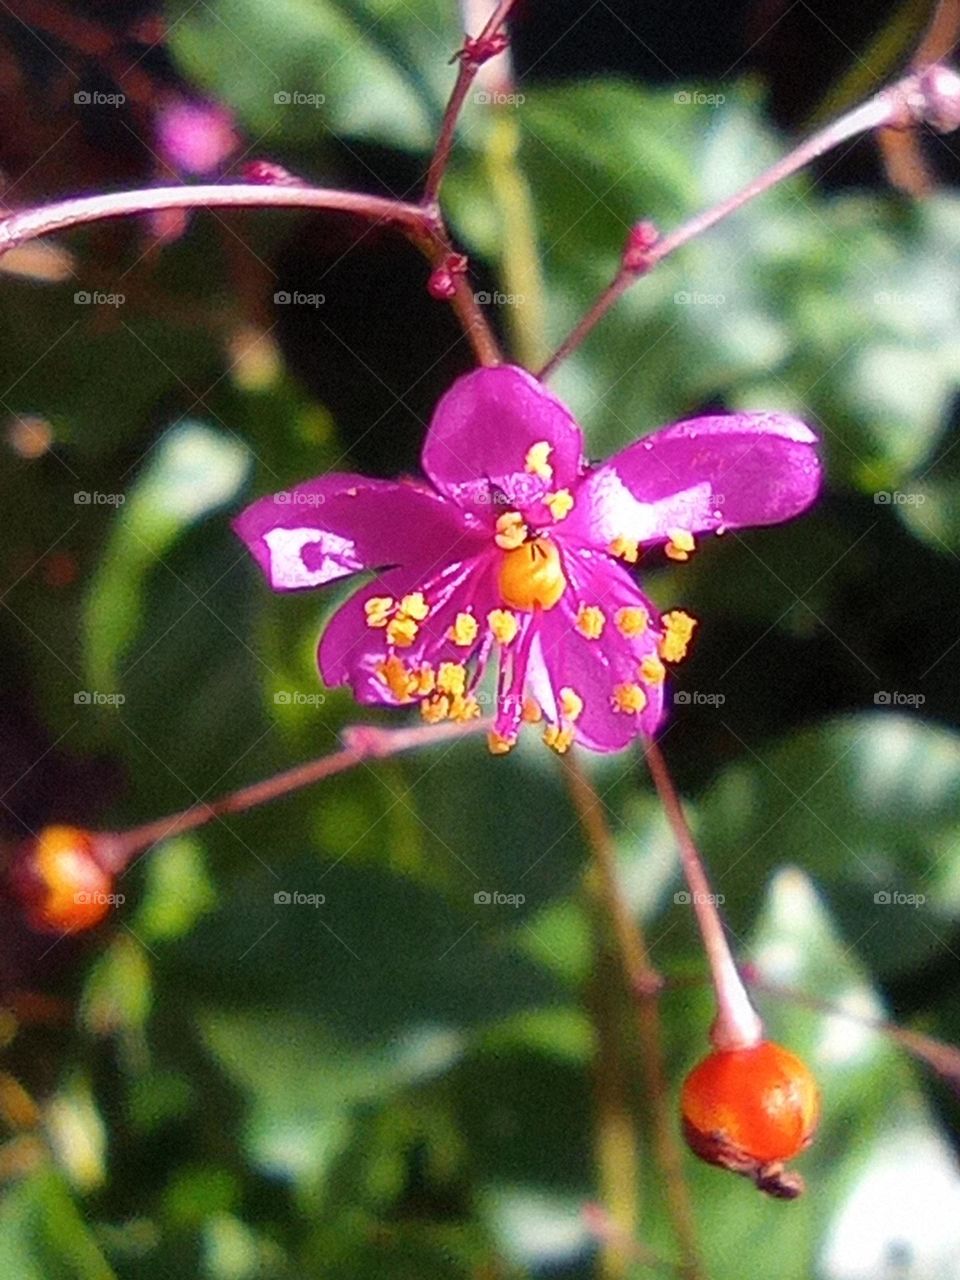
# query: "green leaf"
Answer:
x=290 y=68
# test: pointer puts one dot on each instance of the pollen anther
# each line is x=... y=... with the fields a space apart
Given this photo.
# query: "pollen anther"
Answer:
x=631 y=621
x=680 y=545
x=536 y=463
x=511 y=531
x=503 y=625
x=628 y=698
x=590 y=621
x=560 y=503
x=625 y=549
x=464 y=630
x=378 y=610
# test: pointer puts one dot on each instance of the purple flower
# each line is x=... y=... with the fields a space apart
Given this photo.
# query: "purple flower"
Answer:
x=515 y=552
x=195 y=137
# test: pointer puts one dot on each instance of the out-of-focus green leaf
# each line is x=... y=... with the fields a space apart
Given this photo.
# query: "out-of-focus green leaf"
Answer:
x=360 y=68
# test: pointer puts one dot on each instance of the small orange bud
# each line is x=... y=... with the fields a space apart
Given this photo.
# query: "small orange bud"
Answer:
x=64 y=888
x=749 y=1110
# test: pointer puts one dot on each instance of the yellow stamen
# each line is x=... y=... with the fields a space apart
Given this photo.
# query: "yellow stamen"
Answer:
x=560 y=740
x=503 y=625
x=571 y=704
x=498 y=745
x=531 y=713
x=451 y=678
x=532 y=575
x=378 y=610
x=560 y=503
x=680 y=545
x=414 y=606
x=422 y=682
x=511 y=531
x=536 y=460
x=652 y=669
x=464 y=630
x=631 y=621
x=401 y=631
x=625 y=549
x=628 y=698
x=591 y=621
x=393 y=672
x=464 y=709
x=435 y=709
x=677 y=635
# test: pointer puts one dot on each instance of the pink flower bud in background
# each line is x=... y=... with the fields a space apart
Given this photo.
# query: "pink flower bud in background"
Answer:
x=195 y=137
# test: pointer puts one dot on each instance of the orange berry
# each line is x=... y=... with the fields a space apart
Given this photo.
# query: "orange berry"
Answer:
x=749 y=1110
x=64 y=887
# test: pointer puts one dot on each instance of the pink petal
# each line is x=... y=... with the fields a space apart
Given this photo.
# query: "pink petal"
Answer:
x=705 y=474
x=340 y=524
x=350 y=650
x=480 y=435
x=563 y=657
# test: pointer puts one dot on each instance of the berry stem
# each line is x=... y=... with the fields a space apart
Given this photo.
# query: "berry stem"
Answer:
x=475 y=52
x=644 y=984
x=28 y=224
x=914 y=99
x=363 y=742
x=737 y=1024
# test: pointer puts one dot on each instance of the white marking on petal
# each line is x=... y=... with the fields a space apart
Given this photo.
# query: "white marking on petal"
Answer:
x=337 y=557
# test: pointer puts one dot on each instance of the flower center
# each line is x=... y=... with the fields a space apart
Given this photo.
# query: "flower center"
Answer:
x=532 y=575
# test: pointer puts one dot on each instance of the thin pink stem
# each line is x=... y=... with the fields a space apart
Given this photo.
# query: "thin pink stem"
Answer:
x=364 y=742
x=737 y=1024
x=16 y=228
x=898 y=106
x=474 y=54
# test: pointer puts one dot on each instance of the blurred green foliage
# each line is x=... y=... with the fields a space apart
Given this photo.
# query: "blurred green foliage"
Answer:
x=397 y=1082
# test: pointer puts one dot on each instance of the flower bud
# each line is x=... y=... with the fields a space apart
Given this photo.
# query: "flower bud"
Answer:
x=60 y=882
x=750 y=1110
x=441 y=284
